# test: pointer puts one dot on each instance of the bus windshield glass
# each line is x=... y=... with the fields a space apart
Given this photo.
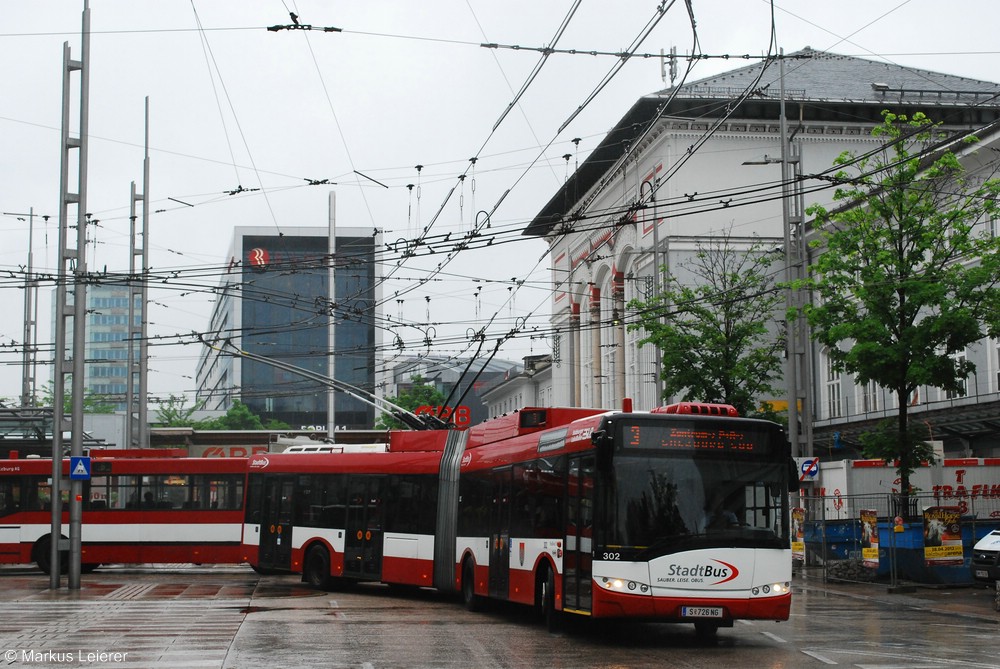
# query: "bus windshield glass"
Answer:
x=694 y=487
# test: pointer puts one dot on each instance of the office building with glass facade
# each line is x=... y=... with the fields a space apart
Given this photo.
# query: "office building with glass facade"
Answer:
x=275 y=301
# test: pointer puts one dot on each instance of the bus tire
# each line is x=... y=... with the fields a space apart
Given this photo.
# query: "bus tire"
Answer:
x=472 y=601
x=316 y=568
x=41 y=553
x=553 y=618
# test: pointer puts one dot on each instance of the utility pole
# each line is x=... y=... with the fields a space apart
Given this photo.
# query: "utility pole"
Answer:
x=27 y=360
x=72 y=267
x=136 y=421
x=30 y=315
x=798 y=373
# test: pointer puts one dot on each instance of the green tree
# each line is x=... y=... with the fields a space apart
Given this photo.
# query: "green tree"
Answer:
x=904 y=280
x=92 y=402
x=239 y=417
x=713 y=332
x=174 y=413
x=419 y=394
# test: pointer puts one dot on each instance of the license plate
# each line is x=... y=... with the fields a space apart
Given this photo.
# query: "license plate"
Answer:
x=982 y=573
x=701 y=611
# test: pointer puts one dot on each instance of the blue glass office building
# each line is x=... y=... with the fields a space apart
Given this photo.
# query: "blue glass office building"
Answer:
x=275 y=301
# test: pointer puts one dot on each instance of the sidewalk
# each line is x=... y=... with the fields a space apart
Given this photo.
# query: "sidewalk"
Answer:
x=977 y=601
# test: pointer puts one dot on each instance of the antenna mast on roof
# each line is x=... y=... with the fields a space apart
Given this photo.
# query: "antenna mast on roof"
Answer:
x=673 y=65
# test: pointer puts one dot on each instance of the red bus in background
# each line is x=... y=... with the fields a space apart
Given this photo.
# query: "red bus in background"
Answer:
x=136 y=509
x=675 y=515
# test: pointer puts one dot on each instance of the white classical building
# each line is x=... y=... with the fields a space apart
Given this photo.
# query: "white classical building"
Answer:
x=686 y=164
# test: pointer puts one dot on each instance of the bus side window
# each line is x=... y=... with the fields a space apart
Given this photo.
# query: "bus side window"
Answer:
x=255 y=494
x=10 y=496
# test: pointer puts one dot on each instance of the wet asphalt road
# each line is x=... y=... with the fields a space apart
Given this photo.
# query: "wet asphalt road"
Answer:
x=229 y=617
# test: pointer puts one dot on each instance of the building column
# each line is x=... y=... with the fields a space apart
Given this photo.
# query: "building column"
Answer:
x=595 y=344
x=618 y=325
x=574 y=353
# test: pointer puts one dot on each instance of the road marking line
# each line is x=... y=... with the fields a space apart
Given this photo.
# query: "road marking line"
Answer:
x=775 y=637
x=817 y=656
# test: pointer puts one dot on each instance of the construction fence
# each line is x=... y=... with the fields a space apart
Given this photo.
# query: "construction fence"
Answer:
x=892 y=539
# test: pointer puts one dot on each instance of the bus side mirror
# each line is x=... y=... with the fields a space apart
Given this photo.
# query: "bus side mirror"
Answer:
x=604 y=444
x=793 y=476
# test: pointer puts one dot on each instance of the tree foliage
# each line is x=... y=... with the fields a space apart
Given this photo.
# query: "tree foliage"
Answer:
x=714 y=333
x=92 y=402
x=419 y=394
x=906 y=277
x=174 y=413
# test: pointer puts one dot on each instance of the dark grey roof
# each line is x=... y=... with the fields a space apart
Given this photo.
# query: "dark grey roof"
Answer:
x=819 y=75
x=819 y=87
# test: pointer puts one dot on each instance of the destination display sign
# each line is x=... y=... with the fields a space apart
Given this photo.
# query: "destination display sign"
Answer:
x=714 y=436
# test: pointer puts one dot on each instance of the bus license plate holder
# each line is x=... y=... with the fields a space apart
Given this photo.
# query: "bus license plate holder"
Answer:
x=701 y=611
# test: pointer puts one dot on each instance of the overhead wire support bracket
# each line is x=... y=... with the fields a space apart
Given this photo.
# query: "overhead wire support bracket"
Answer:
x=303 y=26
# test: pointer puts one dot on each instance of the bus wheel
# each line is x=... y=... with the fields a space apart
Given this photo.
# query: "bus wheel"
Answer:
x=41 y=553
x=552 y=617
x=473 y=602
x=316 y=570
x=89 y=567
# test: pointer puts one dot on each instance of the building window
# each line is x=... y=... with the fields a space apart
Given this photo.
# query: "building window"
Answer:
x=832 y=382
x=962 y=390
x=869 y=397
x=996 y=350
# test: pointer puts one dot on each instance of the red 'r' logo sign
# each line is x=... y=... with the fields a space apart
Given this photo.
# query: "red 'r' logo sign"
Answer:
x=258 y=258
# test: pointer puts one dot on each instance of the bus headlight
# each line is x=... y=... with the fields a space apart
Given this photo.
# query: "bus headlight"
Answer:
x=772 y=589
x=621 y=585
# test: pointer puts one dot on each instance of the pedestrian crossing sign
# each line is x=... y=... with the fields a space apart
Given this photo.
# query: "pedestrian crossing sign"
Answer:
x=79 y=468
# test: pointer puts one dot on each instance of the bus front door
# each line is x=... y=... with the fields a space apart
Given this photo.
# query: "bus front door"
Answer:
x=500 y=535
x=275 y=550
x=363 y=539
x=578 y=562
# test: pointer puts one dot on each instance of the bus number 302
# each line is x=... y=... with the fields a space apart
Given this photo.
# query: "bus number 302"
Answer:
x=612 y=556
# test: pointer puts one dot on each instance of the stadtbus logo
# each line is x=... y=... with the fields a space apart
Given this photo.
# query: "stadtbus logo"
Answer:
x=723 y=571
x=259 y=462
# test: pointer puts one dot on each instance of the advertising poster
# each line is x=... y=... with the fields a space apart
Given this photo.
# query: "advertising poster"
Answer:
x=869 y=538
x=798 y=532
x=943 y=536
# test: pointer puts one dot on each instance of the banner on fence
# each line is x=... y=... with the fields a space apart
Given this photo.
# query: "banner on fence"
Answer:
x=943 y=536
x=798 y=534
x=869 y=538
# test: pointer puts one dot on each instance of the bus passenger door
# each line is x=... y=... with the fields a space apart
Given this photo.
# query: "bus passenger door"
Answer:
x=363 y=538
x=578 y=561
x=500 y=535
x=275 y=550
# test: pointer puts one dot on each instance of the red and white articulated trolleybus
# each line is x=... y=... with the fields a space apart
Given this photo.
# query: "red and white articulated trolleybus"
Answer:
x=356 y=513
x=674 y=515
x=138 y=507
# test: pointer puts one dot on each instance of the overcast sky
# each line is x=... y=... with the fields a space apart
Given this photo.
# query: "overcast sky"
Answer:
x=234 y=106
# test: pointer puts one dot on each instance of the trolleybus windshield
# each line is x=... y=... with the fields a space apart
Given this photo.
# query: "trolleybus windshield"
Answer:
x=694 y=484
